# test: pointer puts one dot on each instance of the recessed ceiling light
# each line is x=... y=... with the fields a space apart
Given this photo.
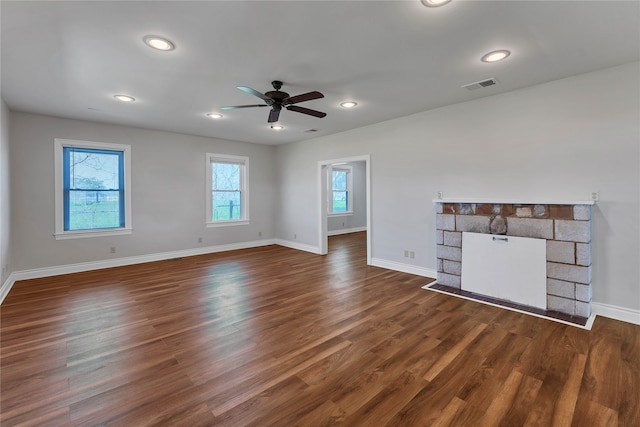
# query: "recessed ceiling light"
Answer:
x=159 y=43
x=124 y=98
x=214 y=115
x=434 y=3
x=348 y=104
x=276 y=126
x=495 y=56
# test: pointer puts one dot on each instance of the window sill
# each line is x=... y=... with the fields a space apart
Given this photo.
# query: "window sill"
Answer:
x=226 y=223
x=340 y=213
x=92 y=233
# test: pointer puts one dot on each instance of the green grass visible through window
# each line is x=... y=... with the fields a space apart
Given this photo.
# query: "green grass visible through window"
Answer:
x=85 y=216
x=339 y=205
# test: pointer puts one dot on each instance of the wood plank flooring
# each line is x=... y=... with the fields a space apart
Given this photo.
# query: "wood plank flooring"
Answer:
x=277 y=337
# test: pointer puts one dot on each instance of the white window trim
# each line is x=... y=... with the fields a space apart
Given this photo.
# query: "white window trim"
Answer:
x=60 y=233
x=244 y=184
x=349 y=170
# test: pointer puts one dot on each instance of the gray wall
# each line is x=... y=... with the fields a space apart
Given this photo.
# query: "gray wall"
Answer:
x=358 y=219
x=5 y=199
x=168 y=192
x=555 y=141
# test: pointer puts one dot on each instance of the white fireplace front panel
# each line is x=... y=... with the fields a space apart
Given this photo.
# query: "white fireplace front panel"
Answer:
x=505 y=267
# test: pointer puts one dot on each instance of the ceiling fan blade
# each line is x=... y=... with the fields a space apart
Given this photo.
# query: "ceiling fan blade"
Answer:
x=303 y=97
x=256 y=93
x=273 y=115
x=306 y=111
x=234 y=107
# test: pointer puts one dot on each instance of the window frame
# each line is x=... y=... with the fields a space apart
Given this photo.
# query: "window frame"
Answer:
x=243 y=161
x=349 y=170
x=59 y=169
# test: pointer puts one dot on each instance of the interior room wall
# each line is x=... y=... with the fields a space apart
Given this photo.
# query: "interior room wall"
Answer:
x=168 y=193
x=556 y=141
x=358 y=219
x=5 y=199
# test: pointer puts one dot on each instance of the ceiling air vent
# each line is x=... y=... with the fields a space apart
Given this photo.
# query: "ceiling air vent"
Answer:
x=482 y=83
x=311 y=130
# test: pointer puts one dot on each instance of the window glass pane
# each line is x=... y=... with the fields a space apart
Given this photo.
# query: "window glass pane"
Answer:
x=93 y=209
x=340 y=201
x=225 y=176
x=339 y=180
x=226 y=205
x=226 y=190
x=94 y=169
x=93 y=193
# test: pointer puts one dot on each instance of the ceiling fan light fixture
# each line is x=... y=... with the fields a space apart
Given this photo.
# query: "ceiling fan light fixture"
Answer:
x=159 y=43
x=495 y=56
x=434 y=3
x=215 y=116
x=348 y=104
x=124 y=98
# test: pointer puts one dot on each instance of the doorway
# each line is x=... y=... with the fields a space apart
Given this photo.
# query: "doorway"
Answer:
x=324 y=166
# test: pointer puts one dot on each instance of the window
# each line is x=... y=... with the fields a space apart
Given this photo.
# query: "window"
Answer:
x=341 y=194
x=227 y=190
x=92 y=189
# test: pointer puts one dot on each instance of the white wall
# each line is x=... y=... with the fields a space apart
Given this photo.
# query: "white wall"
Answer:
x=5 y=199
x=358 y=219
x=168 y=192
x=559 y=140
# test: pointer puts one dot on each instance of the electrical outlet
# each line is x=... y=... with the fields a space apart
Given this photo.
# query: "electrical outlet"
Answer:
x=412 y=254
x=440 y=195
x=406 y=254
x=199 y=239
x=295 y=236
x=259 y=233
x=595 y=196
x=112 y=250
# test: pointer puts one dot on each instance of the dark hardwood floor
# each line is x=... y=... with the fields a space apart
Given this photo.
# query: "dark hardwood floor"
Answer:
x=277 y=337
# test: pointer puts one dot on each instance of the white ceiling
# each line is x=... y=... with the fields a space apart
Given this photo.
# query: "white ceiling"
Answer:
x=394 y=58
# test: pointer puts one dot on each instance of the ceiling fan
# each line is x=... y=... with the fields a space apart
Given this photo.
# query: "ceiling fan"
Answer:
x=276 y=99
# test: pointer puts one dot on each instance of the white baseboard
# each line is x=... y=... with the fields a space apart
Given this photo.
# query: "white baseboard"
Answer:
x=405 y=268
x=119 y=262
x=346 y=231
x=298 y=246
x=6 y=287
x=614 y=312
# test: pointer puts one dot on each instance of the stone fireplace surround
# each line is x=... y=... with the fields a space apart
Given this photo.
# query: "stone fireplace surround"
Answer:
x=565 y=226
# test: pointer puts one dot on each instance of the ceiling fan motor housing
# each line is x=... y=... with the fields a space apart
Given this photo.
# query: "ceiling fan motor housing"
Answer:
x=277 y=95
